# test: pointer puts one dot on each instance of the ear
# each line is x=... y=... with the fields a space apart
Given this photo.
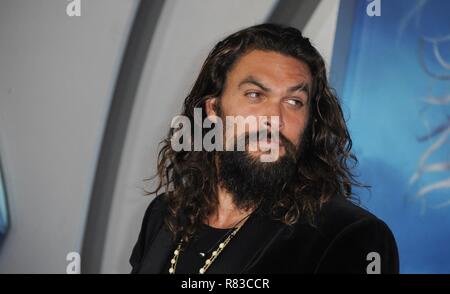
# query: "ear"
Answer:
x=210 y=106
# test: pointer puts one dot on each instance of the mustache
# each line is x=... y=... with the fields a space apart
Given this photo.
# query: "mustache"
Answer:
x=285 y=142
x=252 y=182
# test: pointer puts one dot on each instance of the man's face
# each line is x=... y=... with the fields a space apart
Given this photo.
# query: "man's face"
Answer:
x=266 y=83
x=263 y=84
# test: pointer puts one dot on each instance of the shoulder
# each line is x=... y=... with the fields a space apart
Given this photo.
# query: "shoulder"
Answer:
x=157 y=207
x=152 y=221
x=154 y=216
x=339 y=214
x=354 y=234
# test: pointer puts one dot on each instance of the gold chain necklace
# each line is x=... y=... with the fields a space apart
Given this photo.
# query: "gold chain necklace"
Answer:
x=214 y=254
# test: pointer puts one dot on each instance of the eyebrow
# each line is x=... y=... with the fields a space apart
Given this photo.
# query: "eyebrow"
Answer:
x=302 y=87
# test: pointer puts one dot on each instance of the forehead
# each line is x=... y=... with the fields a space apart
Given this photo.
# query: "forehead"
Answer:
x=271 y=67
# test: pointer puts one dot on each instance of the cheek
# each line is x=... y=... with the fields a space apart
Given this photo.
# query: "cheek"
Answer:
x=294 y=128
x=233 y=107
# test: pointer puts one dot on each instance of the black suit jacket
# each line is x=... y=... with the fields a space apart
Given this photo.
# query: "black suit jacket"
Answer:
x=341 y=242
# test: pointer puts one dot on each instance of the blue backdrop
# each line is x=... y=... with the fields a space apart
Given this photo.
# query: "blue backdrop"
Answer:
x=396 y=95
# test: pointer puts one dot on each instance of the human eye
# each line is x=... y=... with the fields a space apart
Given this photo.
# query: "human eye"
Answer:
x=253 y=95
x=295 y=102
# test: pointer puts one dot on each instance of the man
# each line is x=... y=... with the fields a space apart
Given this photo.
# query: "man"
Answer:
x=222 y=211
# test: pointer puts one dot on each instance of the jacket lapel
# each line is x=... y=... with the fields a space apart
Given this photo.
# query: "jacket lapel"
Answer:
x=249 y=245
x=157 y=255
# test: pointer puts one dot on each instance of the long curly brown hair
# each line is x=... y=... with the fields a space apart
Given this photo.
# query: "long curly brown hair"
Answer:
x=189 y=179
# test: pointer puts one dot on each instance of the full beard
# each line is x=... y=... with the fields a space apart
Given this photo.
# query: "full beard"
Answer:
x=252 y=182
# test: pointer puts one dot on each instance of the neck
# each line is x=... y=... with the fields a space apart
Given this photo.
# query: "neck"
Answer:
x=227 y=214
